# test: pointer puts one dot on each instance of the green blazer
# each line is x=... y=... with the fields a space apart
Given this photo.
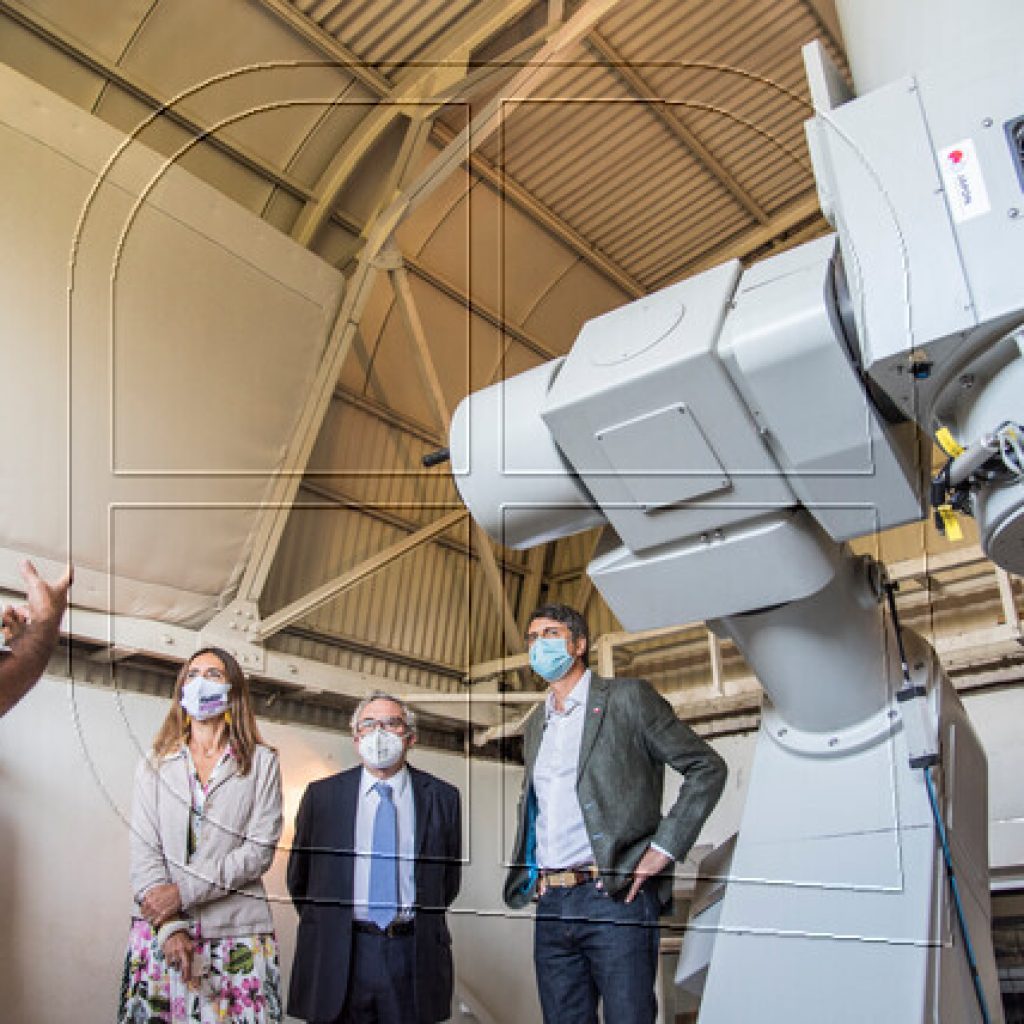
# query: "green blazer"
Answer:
x=630 y=734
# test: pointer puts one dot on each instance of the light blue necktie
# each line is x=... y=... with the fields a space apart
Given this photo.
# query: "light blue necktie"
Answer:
x=384 y=860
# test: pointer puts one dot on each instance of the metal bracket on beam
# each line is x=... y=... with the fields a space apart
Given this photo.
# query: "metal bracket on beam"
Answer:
x=237 y=630
x=389 y=258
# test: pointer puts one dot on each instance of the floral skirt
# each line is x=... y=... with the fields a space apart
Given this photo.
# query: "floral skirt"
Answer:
x=240 y=983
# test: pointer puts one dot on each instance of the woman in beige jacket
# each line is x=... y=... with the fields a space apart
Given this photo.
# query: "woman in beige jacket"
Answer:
x=206 y=818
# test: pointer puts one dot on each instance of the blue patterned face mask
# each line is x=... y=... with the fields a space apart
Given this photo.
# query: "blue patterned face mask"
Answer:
x=550 y=658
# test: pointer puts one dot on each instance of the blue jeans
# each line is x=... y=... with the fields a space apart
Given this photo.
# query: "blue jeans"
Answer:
x=589 y=946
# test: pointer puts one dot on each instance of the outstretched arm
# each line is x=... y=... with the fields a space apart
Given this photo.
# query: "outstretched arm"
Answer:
x=32 y=632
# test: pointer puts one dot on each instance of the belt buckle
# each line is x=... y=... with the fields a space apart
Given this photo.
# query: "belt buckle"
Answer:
x=567 y=879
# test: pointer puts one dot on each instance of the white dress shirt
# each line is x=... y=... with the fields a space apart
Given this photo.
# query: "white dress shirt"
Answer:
x=562 y=840
x=366 y=810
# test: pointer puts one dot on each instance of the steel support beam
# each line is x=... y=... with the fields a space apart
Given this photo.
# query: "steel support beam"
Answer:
x=1009 y=601
x=425 y=362
x=667 y=115
x=417 y=94
x=585 y=585
x=383 y=515
x=561 y=229
x=715 y=655
x=478 y=164
x=304 y=26
x=508 y=331
x=824 y=14
x=378 y=236
x=271 y=523
x=169 y=108
x=523 y=84
x=530 y=594
x=330 y=590
x=174 y=644
x=421 y=347
x=748 y=242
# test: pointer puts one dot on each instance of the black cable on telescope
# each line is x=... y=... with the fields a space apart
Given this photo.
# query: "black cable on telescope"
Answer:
x=890 y=593
x=940 y=827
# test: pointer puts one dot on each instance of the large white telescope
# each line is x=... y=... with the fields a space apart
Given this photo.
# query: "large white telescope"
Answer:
x=734 y=430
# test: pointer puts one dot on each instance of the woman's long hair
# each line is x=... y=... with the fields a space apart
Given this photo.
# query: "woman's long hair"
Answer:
x=243 y=733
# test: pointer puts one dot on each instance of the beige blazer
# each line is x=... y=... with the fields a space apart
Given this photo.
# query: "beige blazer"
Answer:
x=221 y=888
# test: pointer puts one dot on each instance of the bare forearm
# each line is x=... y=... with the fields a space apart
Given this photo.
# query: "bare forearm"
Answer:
x=34 y=629
x=30 y=654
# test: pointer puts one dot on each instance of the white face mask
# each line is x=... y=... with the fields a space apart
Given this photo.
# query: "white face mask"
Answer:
x=205 y=698
x=381 y=749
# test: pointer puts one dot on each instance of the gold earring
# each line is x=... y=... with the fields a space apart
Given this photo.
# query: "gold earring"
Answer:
x=227 y=717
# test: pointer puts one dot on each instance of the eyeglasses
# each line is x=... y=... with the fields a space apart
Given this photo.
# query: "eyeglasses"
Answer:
x=215 y=675
x=547 y=633
x=396 y=725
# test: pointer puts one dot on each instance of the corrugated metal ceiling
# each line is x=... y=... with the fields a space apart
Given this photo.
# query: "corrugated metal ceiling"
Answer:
x=669 y=138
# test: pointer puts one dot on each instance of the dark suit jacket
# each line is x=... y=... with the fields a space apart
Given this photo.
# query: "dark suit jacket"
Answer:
x=320 y=873
x=629 y=735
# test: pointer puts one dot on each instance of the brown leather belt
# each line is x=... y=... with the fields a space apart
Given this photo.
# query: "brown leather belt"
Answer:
x=566 y=878
x=393 y=929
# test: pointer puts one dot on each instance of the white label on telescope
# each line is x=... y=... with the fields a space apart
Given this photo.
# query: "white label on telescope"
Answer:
x=963 y=181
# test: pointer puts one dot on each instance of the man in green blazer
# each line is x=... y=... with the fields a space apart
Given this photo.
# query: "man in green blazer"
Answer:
x=592 y=845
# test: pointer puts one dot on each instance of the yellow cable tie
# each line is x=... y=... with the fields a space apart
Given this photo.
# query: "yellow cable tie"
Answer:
x=948 y=443
x=950 y=523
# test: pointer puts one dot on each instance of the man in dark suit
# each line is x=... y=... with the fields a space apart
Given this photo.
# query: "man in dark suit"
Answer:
x=592 y=843
x=374 y=865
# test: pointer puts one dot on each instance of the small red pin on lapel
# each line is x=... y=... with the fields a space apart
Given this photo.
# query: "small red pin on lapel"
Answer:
x=597 y=711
